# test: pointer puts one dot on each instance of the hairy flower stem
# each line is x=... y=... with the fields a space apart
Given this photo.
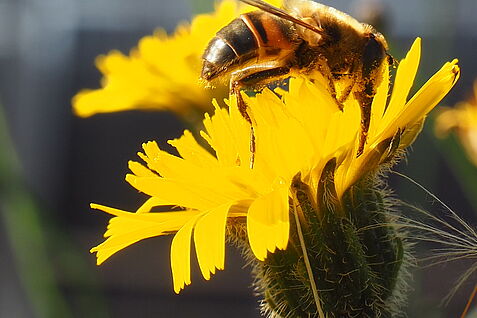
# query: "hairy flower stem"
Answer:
x=346 y=248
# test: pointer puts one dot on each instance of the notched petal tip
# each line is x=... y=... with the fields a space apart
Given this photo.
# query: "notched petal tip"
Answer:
x=100 y=259
x=455 y=70
x=131 y=179
x=180 y=287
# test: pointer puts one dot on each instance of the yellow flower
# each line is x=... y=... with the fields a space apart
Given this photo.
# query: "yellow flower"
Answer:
x=297 y=134
x=162 y=73
x=463 y=120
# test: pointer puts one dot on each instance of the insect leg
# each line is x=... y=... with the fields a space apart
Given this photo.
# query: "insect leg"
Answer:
x=332 y=88
x=235 y=88
x=373 y=59
x=253 y=81
x=347 y=91
x=324 y=69
x=365 y=99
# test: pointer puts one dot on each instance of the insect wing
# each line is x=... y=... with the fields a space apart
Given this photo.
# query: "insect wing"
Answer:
x=262 y=5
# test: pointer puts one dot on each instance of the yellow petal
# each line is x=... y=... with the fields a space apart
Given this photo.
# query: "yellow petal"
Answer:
x=128 y=228
x=180 y=256
x=190 y=150
x=156 y=74
x=406 y=73
x=379 y=105
x=435 y=89
x=209 y=238
x=268 y=223
x=180 y=193
x=229 y=135
x=424 y=100
x=275 y=123
x=149 y=204
x=139 y=170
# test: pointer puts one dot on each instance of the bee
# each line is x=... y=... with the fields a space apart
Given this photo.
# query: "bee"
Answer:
x=303 y=37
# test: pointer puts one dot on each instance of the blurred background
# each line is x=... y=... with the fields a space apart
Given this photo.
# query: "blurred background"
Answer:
x=53 y=164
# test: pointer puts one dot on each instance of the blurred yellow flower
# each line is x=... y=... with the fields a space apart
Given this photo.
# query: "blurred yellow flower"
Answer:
x=163 y=72
x=462 y=119
x=298 y=132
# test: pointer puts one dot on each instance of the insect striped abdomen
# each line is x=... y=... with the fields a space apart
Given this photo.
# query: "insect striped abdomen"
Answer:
x=256 y=36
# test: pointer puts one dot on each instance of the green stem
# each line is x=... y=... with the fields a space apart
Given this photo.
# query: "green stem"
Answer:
x=34 y=239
